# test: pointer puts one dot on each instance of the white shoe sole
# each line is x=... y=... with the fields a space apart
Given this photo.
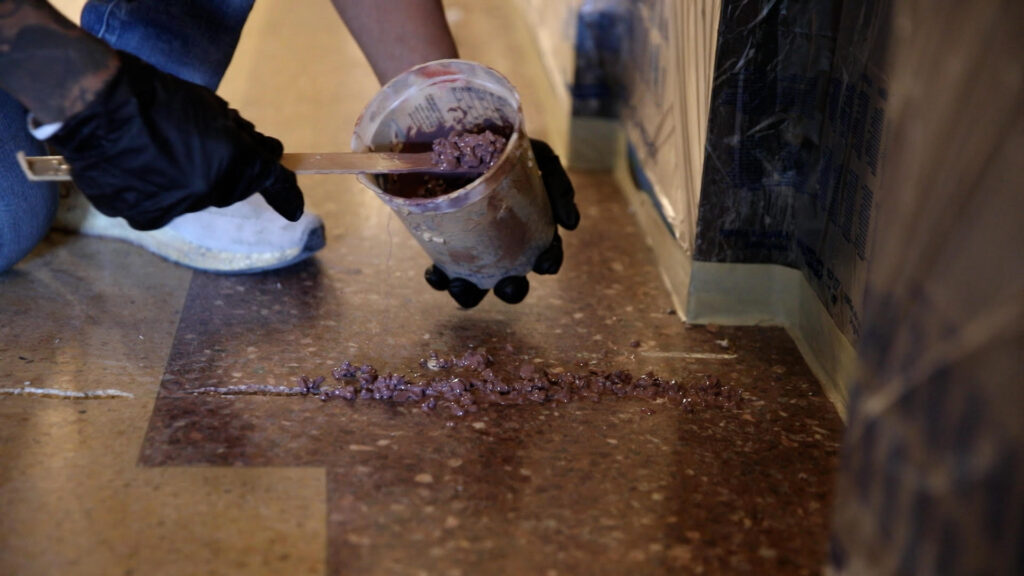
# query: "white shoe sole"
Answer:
x=244 y=238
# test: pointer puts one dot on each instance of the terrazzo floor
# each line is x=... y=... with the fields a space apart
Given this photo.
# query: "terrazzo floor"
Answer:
x=169 y=481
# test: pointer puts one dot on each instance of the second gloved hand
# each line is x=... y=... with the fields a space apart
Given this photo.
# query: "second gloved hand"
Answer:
x=151 y=147
x=513 y=289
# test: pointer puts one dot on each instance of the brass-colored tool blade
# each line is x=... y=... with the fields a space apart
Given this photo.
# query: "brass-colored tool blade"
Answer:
x=44 y=168
x=54 y=168
x=358 y=163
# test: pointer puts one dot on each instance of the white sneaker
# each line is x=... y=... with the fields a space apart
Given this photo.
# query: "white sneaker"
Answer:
x=246 y=237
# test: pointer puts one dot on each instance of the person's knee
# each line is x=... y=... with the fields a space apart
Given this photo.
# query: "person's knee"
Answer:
x=193 y=41
x=26 y=208
x=26 y=212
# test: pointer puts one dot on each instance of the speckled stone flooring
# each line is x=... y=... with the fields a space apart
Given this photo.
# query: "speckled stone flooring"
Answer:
x=170 y=482
x=583 y=487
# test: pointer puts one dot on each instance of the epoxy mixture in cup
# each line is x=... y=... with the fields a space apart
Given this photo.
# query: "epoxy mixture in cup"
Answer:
x=461 y=150
x=481 y=148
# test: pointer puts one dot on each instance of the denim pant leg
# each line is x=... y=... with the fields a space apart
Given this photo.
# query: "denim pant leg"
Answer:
x=26 y=208
x=191 y=39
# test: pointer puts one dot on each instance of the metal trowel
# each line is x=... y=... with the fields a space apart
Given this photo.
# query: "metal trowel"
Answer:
x=54 y=168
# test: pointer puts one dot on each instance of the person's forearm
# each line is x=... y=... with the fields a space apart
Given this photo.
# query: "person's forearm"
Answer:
x=47 y=63
x=398 y=34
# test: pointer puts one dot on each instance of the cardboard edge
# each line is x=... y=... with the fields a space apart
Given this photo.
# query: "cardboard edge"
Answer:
x=674 y=263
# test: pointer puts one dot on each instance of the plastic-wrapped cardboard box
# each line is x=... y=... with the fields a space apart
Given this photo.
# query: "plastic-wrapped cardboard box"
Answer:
x=791 y=174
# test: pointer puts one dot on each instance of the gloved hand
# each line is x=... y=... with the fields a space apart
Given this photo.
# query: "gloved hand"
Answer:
x=513 y=289
x=151 y=147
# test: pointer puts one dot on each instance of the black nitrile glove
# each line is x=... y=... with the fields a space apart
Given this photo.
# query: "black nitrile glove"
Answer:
x=514 y=288
x=151 y=147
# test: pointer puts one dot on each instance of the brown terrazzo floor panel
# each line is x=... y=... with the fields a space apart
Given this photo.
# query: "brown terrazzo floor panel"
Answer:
x=582 y=486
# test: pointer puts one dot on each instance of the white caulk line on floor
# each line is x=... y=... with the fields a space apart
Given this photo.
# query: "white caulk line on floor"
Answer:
x=65 y=394
x=696 y=355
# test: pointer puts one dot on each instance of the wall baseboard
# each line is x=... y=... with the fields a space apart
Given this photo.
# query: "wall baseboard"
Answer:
x=773 y=295
x=746 y=295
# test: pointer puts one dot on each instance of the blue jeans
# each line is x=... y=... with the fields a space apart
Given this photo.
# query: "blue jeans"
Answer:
x=191 y=39
x=26 y=208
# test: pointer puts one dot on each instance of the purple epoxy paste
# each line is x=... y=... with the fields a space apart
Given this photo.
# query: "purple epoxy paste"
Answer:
x=471 y=150
x=474 y=381
x=468 y=150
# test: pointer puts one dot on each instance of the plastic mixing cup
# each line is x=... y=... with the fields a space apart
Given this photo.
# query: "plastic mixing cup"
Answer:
x=491 y=227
